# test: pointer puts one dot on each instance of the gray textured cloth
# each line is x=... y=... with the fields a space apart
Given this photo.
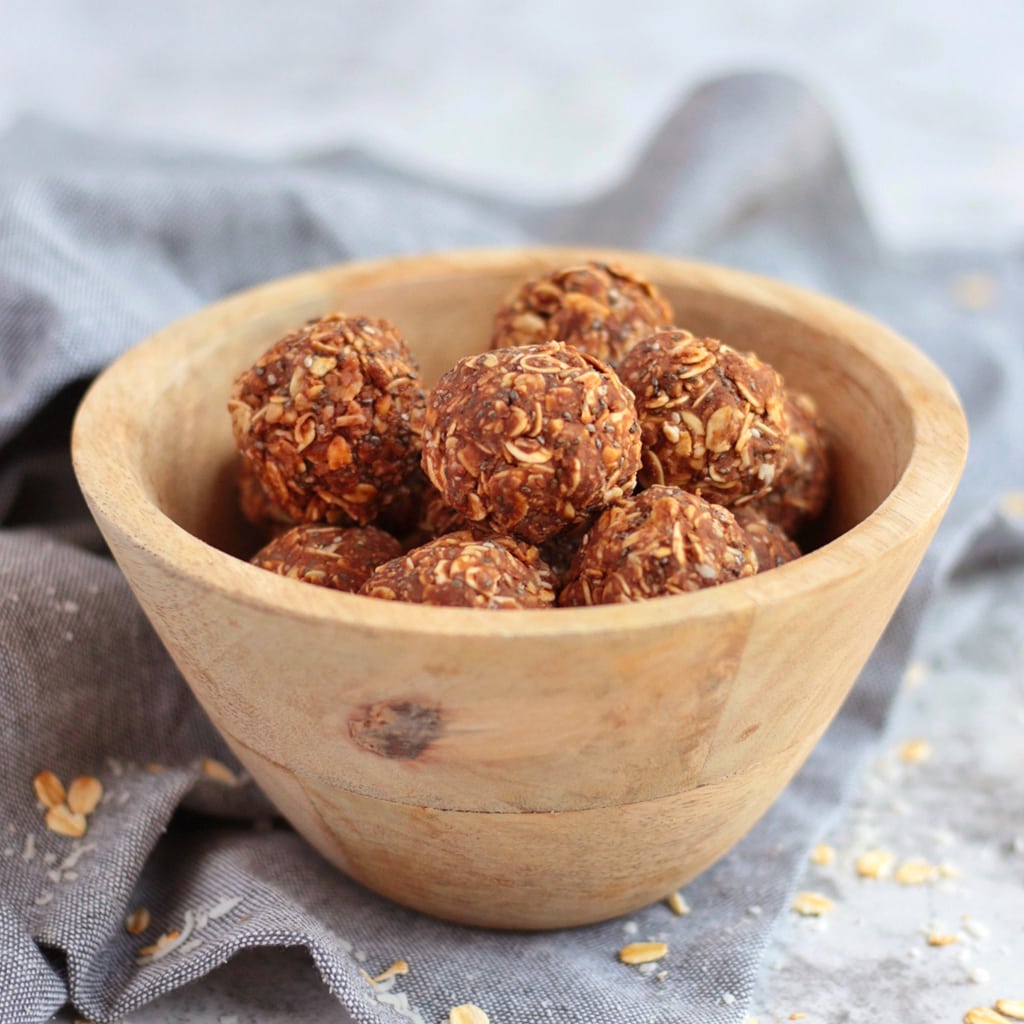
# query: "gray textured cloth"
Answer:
x=99 y=245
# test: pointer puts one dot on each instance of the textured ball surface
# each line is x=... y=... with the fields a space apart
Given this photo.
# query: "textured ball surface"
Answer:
x=464 y=570
x=713 y=419
x=329 y=420
x=597 y=307
x=660 y=541
x=530 y=441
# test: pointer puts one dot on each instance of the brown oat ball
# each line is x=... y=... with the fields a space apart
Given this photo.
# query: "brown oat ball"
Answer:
x=769 y=541
x=256 y=507
x=660 y=541
x=341 y=558
x=529 y=441
x=600 y=308
x=800 y=490
x=713 y=420
x=329 y=420
x=437 y=517
x=463 y=570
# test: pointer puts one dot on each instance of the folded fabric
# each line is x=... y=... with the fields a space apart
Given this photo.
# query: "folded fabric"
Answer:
x=100 y=245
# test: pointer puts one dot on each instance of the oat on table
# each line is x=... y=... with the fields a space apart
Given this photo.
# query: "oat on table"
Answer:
x=713 y=419
x=329 y=420
x=531 y=441
x=600 y=308
x=462 y=569
x=660 y=541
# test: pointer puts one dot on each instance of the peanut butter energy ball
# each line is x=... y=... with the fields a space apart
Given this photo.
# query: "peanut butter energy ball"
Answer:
x=800 y=490
x=713 y=420
x=463 y=570
x=529 y=441
x=341 y=558
x=599 y=308
x=329 y=420
x=660 y=541
x=770 y=543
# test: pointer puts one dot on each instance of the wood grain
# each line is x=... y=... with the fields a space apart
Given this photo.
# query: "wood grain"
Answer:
x=536 y=754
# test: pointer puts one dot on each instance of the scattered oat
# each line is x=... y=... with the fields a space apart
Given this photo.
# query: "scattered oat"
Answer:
x=43 y=898
x=1012 y=504
x=915 y=751
x=915 y=674
x=398 y=967
x=647 y=969
x=65 y=822
x=975 y=290
x=916 y=872
x=812 y=904
x=225 y=906
x=642 y=952
x=49 y=858
x=823 y=854
x=219 y=772
x=942 y=939
x=49 y=789
x=630 y=928
x=678 y=905
x=1012 y=1008
x=468 y=1013
x=84 y=794
x=28 y=851
x=979 y=976
x=874 y=864
x=983 y=1015
x=137 y=921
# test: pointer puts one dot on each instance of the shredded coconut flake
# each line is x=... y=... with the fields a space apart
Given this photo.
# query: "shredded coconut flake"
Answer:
x=28 y=851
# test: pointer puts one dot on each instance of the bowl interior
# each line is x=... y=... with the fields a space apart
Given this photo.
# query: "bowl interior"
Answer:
x=188 y=461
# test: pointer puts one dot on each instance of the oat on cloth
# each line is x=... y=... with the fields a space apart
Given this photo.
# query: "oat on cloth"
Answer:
x=100 y=245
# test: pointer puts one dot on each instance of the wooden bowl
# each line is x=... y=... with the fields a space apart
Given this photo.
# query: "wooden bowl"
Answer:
x=517 y=769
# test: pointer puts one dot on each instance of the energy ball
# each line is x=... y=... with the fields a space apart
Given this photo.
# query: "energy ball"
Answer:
x=256 y=507
x=800 y=490
x=769 y=541
x=660 y=541
x=599 y=308
x=329 y=420
x=463 y=570
x=713 y=420
x=530 y=441
x=341 y=558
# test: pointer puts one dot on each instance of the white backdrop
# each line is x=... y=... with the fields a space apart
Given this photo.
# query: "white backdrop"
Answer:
x=543 y=99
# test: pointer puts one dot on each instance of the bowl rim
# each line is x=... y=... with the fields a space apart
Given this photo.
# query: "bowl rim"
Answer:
x=116 y=493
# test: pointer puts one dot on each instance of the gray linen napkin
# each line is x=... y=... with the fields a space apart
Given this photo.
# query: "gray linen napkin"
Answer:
x=101 y=244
